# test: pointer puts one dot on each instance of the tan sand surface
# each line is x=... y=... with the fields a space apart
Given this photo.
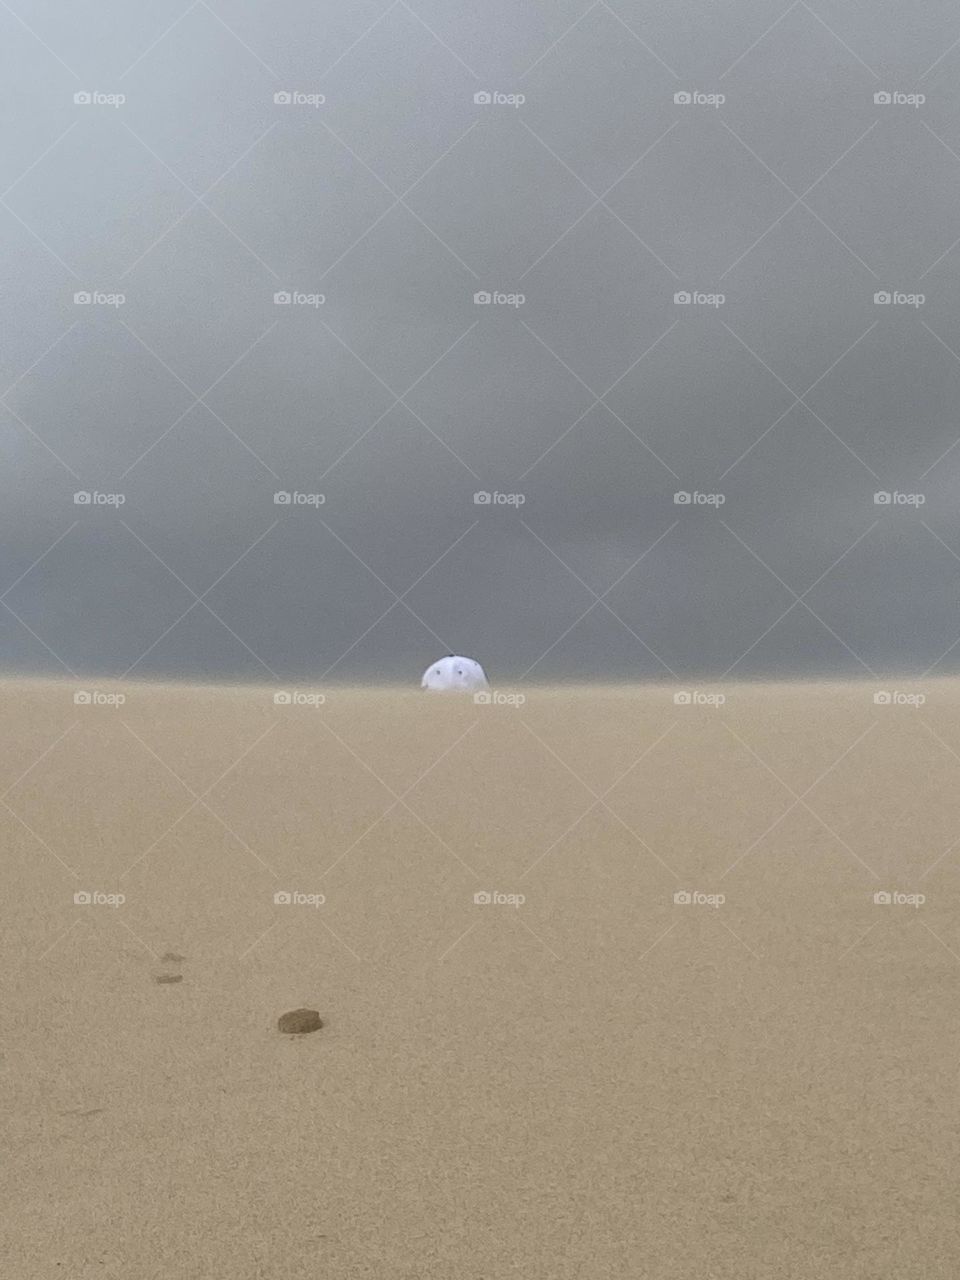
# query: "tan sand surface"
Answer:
x=599 y=1082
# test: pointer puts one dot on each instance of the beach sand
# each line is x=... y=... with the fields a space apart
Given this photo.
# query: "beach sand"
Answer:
x=598 y=1082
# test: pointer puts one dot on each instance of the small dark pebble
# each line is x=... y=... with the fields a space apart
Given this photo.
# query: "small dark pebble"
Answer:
x=299 y=1021
x=168 y=977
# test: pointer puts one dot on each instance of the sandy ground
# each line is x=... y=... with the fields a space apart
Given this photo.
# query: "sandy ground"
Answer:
x=599 y=1082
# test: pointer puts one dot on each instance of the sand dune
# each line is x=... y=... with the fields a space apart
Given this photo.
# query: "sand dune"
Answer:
x=579 y=1077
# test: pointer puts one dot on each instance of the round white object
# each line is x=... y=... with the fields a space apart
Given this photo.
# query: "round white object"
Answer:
x=453 y=674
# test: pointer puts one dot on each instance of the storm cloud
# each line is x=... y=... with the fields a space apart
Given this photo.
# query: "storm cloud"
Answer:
x=590 y=339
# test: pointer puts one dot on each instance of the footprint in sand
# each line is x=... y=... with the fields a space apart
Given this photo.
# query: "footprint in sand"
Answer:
x=170 y=957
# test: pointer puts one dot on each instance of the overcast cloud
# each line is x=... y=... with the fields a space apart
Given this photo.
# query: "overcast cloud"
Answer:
x=197 y=162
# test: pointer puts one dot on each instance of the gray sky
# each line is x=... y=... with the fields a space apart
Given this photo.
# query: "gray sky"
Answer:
x=782 y=398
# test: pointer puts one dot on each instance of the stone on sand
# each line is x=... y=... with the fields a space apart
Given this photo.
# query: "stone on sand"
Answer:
x=299 y=1021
